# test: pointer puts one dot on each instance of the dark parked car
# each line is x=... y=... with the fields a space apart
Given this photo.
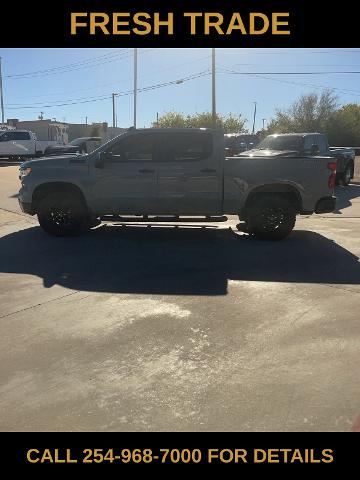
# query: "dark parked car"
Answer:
x=78 y=145
x=236 y=143
x=310 y=145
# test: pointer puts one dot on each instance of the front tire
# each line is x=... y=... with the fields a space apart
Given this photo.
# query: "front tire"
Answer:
x=271 y=218
x=63 y=214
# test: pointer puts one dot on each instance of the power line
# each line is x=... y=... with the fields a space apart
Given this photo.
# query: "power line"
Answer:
x=157 y=72
x=313 y=85
x=110 y=56
x=90 y=63
x=298 y=65
x=101 y=97
x=355 y=93
x=297 y=73
x=292 y=52
x=70 y=65
x=118 y=94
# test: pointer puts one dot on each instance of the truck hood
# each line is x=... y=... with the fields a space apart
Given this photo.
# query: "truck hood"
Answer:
x=269 y=153
x=52 y=161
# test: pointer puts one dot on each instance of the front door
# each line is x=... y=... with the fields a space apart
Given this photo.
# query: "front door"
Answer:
x=127 y=182
x=189 y=174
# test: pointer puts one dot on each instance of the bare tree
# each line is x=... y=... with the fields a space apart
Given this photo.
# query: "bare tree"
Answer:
x=310 y=113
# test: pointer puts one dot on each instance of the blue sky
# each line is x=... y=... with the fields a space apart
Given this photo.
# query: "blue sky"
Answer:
x=83 y=80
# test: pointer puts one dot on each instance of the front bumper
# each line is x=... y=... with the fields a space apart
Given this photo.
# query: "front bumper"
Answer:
x=26 y=207
x=326 y=205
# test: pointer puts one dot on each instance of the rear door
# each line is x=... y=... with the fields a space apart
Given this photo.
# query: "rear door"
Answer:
x=189 y=173
x=127 y=183
x=309 y=141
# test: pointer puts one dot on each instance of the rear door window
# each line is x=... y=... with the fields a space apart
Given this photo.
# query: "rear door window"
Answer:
x=321 y=142
x=308 y=142
x=21 y=135
x=185 y=147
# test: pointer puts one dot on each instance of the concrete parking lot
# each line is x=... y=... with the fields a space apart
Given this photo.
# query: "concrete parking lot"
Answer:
x=191 y=328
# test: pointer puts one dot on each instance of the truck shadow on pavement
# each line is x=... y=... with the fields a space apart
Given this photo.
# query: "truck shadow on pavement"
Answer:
x=183 y=260
x=345 y=195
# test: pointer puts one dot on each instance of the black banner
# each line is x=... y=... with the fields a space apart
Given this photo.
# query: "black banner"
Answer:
x=214 y=23
x=240 y=453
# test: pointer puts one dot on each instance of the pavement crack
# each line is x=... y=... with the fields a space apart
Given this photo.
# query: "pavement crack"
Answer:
x=39 y=304
x=12 y=211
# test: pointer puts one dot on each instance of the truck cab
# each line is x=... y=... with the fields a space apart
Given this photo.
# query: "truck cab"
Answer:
x=17 y=144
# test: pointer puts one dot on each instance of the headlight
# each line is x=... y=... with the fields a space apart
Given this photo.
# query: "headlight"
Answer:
x=24 y=172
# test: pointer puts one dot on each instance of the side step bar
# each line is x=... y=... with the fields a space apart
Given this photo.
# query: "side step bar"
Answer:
x=161 y=218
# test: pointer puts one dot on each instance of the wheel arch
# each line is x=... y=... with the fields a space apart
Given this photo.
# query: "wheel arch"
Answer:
x=41 y=191
x=284 y=190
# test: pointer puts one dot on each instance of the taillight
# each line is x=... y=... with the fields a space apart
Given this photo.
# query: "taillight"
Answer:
x=332 y=179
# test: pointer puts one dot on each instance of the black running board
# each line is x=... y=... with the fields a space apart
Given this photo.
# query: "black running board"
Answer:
x=162 y=218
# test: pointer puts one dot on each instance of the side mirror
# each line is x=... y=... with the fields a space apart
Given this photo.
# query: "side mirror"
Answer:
x=314 y=150
x=102 y=158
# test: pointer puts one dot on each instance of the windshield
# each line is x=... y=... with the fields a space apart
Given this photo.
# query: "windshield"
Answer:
x=281 y=142
x=230 y=141
x=105 y=146
x=76 y=142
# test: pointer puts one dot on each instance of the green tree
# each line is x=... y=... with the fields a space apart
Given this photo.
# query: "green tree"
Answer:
x=344 y=126
x=310 y=113
x=171 y=120
x=229 y=123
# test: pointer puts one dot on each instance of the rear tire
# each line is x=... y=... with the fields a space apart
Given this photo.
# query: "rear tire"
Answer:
x=271 y=218
x=63 y=214
x=347 y=175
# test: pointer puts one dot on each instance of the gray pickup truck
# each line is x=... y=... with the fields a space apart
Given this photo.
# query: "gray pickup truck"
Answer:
x=308 y=144
x=175 y=172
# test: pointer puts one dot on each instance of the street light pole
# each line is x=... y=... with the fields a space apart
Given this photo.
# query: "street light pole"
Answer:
x=2 y=96
x=253 y=128
x=213 y=78
x=135 y=85
x=113 y=108
x=264 y=120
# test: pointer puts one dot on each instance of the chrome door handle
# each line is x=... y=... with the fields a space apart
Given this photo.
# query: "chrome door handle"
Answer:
x=146 y=170
x=208 y=170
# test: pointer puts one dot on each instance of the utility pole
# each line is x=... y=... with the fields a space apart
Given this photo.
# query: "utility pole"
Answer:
x=135 y=85
x=253 y=128
x=157 y=119
x=2 y=96
x=85 y=120
x=264 y=120
x=113 y=108
x=213 y=89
